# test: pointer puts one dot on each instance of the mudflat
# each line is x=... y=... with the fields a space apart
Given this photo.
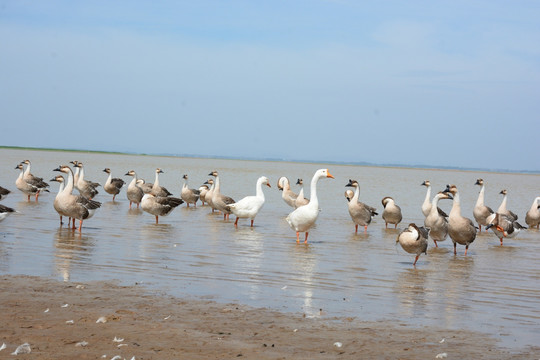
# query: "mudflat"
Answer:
x=104 y=320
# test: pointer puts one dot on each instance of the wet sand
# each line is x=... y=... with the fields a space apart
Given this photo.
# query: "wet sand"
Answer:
x=157 y=326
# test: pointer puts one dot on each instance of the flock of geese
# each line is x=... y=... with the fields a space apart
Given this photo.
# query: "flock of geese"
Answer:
x=158 y=201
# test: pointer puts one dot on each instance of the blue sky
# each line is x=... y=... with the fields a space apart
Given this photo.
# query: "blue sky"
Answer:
x=391 y=82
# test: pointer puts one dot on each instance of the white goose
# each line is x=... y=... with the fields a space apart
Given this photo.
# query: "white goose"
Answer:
x=361 y=214
x=414 y=240
x=435 y=222
x=249 y=206
x=190 y=196
x=134 y=192
x=288 y=195
x=532 y=218
x=461 y=229
x=112 y=185
x=481 y=212
x=303 y=218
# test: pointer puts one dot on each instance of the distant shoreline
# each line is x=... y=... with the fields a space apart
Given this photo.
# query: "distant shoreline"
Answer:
x=360 y=163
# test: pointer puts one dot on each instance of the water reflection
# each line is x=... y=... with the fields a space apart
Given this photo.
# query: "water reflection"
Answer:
x=411 y=292
x=304 y=261
x=71 y=246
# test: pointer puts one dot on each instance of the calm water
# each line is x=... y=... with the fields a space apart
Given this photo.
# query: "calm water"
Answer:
x=194 y=253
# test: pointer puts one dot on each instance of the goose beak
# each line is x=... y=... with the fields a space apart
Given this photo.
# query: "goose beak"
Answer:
x=267 y=184
x=329 y=175
x=57 y=169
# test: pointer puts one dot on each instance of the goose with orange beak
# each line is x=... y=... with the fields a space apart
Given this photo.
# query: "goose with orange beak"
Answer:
x=303 y=218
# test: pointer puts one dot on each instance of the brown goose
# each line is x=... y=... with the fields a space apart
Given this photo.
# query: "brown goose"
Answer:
x=300 y=199
x=426 y=206
x=112 y=185
x=86 y=188
x=3 y=193
x=76 y=207
x=361 y=214
x=219 y=201
x=435 y=222
x=190 y=196
x=159 y=205
x=134 y=192
x=461 y=229
x=24 y=186
x=414 y=240
x=60 y=179
x=287 y=195
x=159 y=191
x=504 y=222
x=33 y=180
x=481 y=212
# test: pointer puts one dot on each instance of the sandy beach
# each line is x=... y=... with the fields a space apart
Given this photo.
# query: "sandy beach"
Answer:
x=101 y=320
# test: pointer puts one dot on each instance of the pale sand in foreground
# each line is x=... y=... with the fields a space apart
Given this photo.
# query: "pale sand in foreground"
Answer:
x=34 y=311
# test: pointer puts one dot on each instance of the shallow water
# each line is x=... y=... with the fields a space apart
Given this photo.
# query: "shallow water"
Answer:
x=195 y=253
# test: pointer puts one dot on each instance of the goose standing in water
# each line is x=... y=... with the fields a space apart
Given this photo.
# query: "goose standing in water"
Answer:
x=481 y=212
x=34 y=180
x=210 y=193
x=391 y=213
x=134 y=192
x=504 y=222
x=361 y=214
x=220 y=201
x=190 y=196
x=159 y=191
x=249 y=206
x=5 y=211
x=112 y=185
x=414 y=240
x=3 y=193
x=86 y=188
x=159 y=205
x=300 y=199
x=287 y=195
x=532 y=218
x=426 y=206
x=203 y=190
x=76 y=207
x=303 y=218
x=60 y=179
x=461 y=229
x=435 y=222
x=25 y=187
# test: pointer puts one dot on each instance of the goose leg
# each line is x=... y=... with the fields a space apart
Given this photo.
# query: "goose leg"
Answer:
x=236 y=222
x=252 y=222
x=156 y=219
x=466 y=248
x=455 y=252
x=298 y=237
x=365 y=229
x=501 y=239
x=356 y=228
x=305 y=241
x=435 y=243
x=80 y=225
x=416 y=259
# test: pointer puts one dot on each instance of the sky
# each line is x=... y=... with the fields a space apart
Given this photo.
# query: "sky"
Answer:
x=434 y=83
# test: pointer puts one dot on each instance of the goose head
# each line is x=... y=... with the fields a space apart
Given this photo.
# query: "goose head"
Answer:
x=352 y=183
x=282 y=182
x=299 y=182
x=452 y=189
x=265 y=181
x=159 y=171
x=63 y=168
x=503 y=192
x=130 y=173
x=209 y=182
x=58 y=178
x=425 y=183
x=26 y=162
x=323 y=173
x=19 y=166
x=213 y=173
x=185 y=177
x=479 y=182
x=107 y=170
x=386 y=200
x=444 y=195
